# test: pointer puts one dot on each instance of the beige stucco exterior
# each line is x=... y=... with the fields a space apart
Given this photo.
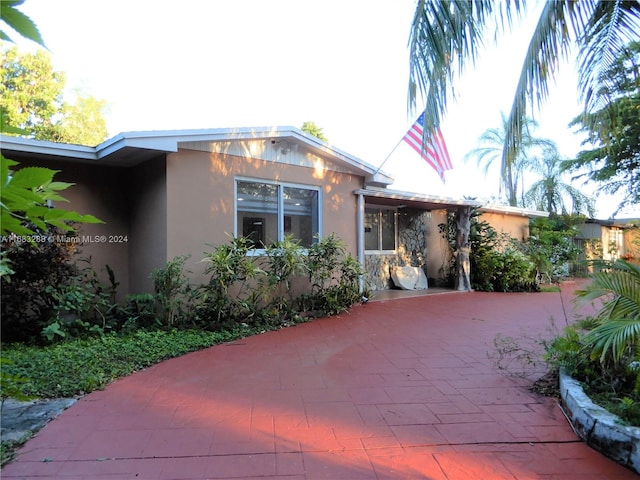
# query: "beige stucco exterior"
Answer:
x=201 y=200
x=169 y=194
x=102 y=192
x=183 y=203
x=516 y=226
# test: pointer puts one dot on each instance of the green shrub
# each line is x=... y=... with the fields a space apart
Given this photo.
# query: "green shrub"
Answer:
x=28 y=296
x=86 y=306
x=140 y=312
x=174 y=293
x=550 y=245
x=613 y=386
x=231 y=295
x=334 y=278
x=497 y=261
x=284 y=263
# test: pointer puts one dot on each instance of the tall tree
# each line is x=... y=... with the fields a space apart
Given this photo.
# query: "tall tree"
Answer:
x=24 y=193
x=550 y=193
x=490 y=150
x=313 y=130
x=614 y=132
x=446 y=35
x=31 y=98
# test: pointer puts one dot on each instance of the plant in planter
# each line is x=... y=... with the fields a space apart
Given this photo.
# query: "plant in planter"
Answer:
x=603 y=353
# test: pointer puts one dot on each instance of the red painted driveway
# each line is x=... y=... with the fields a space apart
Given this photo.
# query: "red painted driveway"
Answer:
x=397 y=389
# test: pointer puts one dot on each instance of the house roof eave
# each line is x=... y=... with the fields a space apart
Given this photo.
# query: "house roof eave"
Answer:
x=516 y=211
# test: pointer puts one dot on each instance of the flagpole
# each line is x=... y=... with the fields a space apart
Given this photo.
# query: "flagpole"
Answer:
x=390 y=153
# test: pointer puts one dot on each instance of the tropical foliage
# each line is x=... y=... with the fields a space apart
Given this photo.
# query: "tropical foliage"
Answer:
x=498 y=262
x=550 y=246
x=490 y=151
x=602 y=352
x=13 y=18
x=550 y=193
x=614 y=132
x=616 y=337
x=446 y=36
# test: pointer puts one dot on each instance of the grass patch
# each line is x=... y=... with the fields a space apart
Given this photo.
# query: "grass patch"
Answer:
x=77 y=367
x=8 y=449
x=549 y=288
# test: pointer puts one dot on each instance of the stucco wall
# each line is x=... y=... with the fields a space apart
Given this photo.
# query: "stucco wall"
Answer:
x=102 y=192
x=439 y=255
x=200 y=200
x=147 y=222
x=515 y=226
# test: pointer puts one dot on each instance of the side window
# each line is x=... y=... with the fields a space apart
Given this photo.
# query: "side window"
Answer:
x=380 y=229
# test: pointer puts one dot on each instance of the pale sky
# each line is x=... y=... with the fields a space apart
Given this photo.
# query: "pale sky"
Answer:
x=164 y=64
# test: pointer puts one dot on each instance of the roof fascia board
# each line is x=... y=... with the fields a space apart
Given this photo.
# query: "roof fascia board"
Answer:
x=42 y=147
x=508 y=210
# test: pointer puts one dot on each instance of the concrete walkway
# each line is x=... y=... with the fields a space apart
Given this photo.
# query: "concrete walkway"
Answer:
x=395 y=389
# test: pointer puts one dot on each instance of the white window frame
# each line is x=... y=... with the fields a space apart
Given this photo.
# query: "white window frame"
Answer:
x=280 y=204
x=380 y=208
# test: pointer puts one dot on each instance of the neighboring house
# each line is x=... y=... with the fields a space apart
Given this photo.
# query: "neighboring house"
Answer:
x=167 y=193
x=609 y=240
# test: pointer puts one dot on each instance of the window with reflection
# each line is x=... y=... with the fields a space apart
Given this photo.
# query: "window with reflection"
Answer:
x=380 y=229
x=266 y=212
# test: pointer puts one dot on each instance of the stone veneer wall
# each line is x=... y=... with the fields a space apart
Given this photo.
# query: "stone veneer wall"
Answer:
x=411 y=250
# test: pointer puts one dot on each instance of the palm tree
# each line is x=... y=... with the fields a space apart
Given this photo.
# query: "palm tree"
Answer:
x=550 y=193
x=446 y=35
x=490 y=150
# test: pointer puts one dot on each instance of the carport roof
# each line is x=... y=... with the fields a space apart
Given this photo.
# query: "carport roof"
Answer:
x=384 y=196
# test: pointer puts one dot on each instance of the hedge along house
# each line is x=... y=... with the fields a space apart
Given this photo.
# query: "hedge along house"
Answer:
x=163 y=194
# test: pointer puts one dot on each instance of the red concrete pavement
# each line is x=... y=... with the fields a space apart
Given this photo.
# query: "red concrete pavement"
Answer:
x=397 y=389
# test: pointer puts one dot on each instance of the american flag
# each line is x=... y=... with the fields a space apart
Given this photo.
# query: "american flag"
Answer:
x=434 y=152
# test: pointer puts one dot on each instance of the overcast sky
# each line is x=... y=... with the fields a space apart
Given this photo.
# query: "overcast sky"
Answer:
x=164 y=64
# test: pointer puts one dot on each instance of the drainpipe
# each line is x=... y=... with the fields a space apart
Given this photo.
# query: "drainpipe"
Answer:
x=360 y=238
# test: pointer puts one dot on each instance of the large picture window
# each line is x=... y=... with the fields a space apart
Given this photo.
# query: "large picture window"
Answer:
x=379 y=229
x=266 y=212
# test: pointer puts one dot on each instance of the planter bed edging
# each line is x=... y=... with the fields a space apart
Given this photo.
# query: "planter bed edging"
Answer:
x=599 y=428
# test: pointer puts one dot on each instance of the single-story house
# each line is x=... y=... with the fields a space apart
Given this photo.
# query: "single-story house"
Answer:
x=163 y=194
x=609 y=240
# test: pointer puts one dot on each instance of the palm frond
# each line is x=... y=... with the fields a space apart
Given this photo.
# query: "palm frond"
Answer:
x=550 y=42
x=444 y=37
x=620 y=288
x=613 y=338
x=613 y=25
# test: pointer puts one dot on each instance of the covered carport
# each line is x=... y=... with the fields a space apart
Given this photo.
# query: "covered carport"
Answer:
x=398 y=229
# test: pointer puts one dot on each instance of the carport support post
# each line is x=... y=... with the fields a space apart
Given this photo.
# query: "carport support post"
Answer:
x=463 y=247
x=360 y=239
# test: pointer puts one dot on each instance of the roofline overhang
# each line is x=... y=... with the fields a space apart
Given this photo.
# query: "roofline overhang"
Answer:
x=168 y=141
x=508 y=210
x=42 y=147
x=619 y=223
x=430 y=201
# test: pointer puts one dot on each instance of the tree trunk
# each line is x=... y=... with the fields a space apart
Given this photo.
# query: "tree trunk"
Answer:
x=463 y=247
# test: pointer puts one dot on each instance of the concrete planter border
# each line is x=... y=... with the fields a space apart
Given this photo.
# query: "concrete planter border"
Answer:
x=599 y=428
